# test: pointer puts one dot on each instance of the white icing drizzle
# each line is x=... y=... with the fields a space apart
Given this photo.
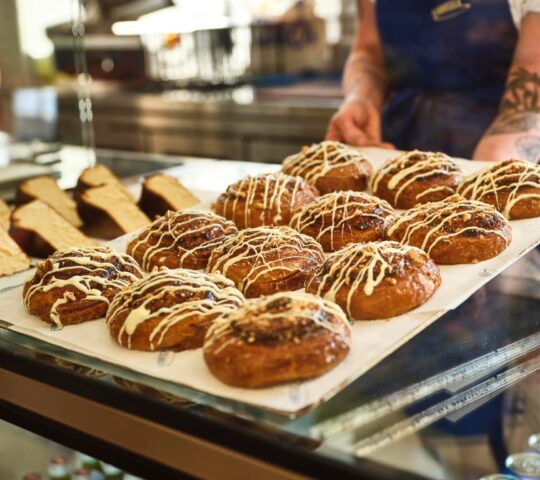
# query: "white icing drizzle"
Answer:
x=413 y=166
x=301 y=308
x=197 y=293
x=362 y=266
x=509 y=176
x=174 y=229
x=440 y=218
x=317 y=160
x=277 y=252
x=89 y=285
x=274 y=193
x=335 y=213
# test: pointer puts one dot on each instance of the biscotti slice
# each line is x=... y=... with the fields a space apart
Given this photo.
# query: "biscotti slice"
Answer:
x=47 y=190
x=161 y=193
x=109 y=212
x=40 y=230
x=4 y=215
x=12 y=258
x=97 y=176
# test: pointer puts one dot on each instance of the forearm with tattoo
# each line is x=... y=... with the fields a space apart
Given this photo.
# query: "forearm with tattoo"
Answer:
x=519 y=113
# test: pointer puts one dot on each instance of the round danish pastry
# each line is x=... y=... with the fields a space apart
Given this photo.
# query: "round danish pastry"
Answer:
x=76 y=285
x=280 y=338
x=267 y=260
x=330 y=166
x=339 y=218
x=183 y=239
x=512 y=187
x=269 y=199
x=376 y=280
x=170 y=309
x=416 y=177
x=454 y=230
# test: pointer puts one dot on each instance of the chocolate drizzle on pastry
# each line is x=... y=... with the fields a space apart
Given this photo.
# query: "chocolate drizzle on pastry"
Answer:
x=339 y=218
x=330 y=166
x=454 y=230
x=267 y=199
x=279 y=338
x=170 y=309
x=267 y=260
x=377 y=279
x=416 y=177
x=512 y=187
x=73 y=286
x=182 y=239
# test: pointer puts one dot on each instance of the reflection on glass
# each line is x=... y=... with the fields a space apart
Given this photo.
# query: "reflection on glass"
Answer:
x=525 y=464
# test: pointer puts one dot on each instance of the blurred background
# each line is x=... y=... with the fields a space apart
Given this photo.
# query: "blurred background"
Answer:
x=239 y=79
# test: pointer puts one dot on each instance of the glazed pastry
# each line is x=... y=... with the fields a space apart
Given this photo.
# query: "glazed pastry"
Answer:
x=416 y=177
x=47 y=190
x=512 y=187
x=267 y=260
x=109 y=212
x=170 y=309
x=284 y=337
x=12 y=258
x=40 y=230
x=339 y=218
x=330 y=166
x=161 y=193
x=269 y=199
x=77 y=285
x=454 y=230
x=180 y=240
x=376 y=280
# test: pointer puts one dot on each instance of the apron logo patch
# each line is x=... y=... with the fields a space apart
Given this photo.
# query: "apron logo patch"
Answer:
x=449 y=9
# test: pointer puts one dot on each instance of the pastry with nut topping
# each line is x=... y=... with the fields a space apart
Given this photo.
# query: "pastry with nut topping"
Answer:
x=280 y=338
x=376 y=280
x=454 y=230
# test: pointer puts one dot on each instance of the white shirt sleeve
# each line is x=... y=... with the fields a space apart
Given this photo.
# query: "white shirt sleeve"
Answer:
x=520 y=8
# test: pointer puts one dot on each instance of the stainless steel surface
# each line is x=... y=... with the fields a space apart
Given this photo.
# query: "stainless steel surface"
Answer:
x=231 y=124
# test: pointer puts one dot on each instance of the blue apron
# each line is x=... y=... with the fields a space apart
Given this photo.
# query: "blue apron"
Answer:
x=447 y=63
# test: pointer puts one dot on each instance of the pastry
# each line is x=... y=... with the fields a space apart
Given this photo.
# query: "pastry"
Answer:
x=376 y=280
x=182 y=239
x=47 y=190
x=12 y=258
x=269 y=199
x=97 y=176
x=109 y=212
x=284 y=337
x=161 y=193
x=5 y=213
x=330 y=166
x=170 y=309
x=267 y=260
x=416 y=177
x=77 y=285
x=40 y=230
x=512 y=187
x=339 y=218
x=454 y=230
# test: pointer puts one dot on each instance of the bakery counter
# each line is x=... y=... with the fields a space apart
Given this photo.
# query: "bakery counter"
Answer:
x=459 y=400
x=242 y=123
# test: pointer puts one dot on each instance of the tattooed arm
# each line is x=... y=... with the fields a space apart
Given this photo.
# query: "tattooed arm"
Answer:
x=515 y=133
x=358 y=121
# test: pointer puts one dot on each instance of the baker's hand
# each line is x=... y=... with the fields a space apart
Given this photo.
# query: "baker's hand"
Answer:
x=357 y=123
x=500 y=147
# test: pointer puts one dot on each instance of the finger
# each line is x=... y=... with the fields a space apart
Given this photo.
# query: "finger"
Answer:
x=373 y=125
x=333 y=132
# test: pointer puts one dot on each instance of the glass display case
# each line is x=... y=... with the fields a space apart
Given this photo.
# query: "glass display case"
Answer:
x=456 y=401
